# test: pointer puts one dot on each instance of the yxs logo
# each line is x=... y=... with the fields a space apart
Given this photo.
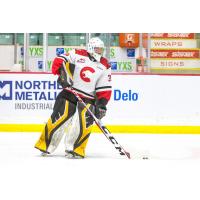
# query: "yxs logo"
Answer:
x=6 y=90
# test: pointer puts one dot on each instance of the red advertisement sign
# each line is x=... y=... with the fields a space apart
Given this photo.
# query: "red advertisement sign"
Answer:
x=175 y=54
x=173 y=35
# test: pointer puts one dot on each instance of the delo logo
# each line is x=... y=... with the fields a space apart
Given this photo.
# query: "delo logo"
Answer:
x=125 y=96
x=6 y=90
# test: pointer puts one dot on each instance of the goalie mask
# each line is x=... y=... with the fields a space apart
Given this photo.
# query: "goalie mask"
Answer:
x=95 y=48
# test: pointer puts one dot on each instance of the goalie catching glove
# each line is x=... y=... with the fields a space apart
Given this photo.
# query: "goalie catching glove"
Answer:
x=64 y=79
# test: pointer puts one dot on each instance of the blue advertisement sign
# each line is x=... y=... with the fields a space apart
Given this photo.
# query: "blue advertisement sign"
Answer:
x=40 y=64
x=59 y=51
x=131 y=53
x=113 y=65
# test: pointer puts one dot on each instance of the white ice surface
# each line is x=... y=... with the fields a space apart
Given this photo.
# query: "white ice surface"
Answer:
x=171 y=172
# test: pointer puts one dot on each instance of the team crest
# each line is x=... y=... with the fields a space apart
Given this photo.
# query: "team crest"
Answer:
x=86 y=74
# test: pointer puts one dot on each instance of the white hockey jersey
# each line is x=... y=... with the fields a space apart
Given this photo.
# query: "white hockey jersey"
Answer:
x=90 y=78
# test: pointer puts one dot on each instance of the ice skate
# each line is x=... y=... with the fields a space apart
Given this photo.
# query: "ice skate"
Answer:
x=72 y=155
x=44 y=154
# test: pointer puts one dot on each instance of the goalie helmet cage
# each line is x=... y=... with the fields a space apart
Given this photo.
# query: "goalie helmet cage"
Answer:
x=105 y=37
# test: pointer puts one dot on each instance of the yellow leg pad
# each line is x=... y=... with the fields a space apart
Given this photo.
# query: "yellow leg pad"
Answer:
x=41 y=143
x=81 y=148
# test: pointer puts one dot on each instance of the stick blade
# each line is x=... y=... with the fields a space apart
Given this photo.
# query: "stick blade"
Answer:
x=128 y=155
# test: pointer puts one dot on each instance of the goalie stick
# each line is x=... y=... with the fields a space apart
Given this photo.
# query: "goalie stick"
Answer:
x=103 y=128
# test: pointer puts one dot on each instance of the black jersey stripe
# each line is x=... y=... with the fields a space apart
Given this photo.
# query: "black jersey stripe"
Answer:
x=83 y=92
x=105 y=87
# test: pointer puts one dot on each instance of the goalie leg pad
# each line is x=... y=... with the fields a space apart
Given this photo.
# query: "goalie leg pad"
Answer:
x=63 y=111
x=78 y=134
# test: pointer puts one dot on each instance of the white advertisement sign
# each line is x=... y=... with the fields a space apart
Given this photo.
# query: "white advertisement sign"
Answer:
x=175 y=64
x=136 y=99
x=155 y=100
x=27 y=98
x=173 y=43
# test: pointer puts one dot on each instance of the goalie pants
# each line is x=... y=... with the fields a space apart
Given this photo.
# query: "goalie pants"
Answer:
x=71 y=118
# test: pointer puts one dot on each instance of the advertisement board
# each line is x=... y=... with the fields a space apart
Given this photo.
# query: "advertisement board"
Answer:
x=136 y=99
x=121 y=59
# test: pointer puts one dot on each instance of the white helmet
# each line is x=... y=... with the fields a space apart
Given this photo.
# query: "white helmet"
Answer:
x=95 y=47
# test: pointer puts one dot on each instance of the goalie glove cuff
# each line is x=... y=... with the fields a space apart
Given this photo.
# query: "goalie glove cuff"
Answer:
x=100 y=111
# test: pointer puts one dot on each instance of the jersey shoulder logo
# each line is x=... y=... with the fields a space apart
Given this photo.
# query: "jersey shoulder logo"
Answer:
x=86 y=74
x=81 y=60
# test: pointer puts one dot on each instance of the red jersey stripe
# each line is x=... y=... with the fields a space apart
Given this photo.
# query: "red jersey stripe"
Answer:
x=104 y=94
